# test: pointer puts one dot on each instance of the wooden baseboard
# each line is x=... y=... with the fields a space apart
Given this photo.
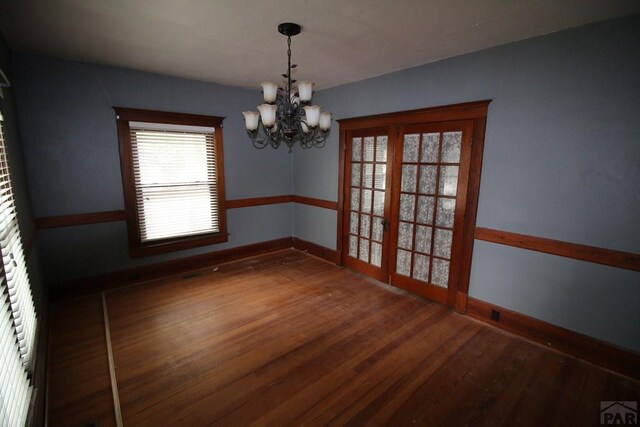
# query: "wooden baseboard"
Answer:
x=603 y=354
x=316 y=250
x=116 y=279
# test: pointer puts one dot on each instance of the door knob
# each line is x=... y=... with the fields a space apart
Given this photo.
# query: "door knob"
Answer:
x=385 y=224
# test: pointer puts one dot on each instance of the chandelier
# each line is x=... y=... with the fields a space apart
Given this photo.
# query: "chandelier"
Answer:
x=287 y=114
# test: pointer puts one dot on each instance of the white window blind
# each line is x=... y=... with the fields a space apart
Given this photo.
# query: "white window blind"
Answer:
x=17 y=311
x=176 y=180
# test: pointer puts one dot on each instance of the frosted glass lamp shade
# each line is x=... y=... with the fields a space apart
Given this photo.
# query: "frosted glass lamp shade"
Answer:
x=270 y=92
x=251 y=119
x=305 y=90
x=325 y=121
x=312 y=113
x=268 y=114
x=304 y=127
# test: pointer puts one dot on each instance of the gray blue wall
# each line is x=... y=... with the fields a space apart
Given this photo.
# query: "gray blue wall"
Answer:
x=561 y=160
x=71 y=150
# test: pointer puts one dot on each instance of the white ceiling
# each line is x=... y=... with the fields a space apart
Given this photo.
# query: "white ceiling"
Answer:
x=235 y=42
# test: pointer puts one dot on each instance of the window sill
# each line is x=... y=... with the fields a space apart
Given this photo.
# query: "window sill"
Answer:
x=167 y=246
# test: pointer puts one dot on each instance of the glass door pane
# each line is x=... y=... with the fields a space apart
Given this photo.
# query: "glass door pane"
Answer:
x=426 y=197
x=367 y=195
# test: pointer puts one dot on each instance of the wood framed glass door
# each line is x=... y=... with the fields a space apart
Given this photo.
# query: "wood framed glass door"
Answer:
x=408 y=219
x=367 y=194
x=429 y=199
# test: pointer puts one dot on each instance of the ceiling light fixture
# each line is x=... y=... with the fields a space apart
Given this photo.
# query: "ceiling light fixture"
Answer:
x=287 y=114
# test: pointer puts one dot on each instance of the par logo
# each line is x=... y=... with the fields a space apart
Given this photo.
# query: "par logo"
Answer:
x=619 y=412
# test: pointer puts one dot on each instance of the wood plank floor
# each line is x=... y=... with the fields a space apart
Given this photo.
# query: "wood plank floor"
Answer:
x=288 y=339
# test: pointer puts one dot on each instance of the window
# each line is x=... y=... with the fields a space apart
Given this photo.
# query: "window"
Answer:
x=172 y=173
x=17 y=311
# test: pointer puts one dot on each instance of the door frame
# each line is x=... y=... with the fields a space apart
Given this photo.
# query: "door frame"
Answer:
x=475 y=111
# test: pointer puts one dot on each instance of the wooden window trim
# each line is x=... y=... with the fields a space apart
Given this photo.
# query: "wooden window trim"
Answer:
x=475 y=111
x=136 y=247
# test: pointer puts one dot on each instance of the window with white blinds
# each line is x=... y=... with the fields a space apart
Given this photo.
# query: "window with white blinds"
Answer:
x=18 y=316
x=176 y=180
x=173 y=180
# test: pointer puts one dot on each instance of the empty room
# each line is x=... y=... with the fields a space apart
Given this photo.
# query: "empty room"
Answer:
x=306 y=212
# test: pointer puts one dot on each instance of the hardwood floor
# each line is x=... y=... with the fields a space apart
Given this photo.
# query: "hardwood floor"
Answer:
x=289 y=339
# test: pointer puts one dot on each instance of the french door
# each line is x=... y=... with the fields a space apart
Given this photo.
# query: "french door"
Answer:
x=368 y=191
x=406 y=217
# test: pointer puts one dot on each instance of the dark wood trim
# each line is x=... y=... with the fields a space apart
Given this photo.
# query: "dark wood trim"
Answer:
x=311 y=201
x=258 y=201
x=167 y=117
x=463 y=111
x=116 y=279
x=316 y=250
x=470 y=213
x=626 y=260
x=341 y=200
x=113 y=216
x=79 y=219
x=607 y=355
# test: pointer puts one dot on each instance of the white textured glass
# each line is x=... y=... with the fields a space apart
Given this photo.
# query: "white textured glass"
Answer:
x=425 y=209
x=268 y=114
x=355 y=174
x=355 y=199
x=377 y=230
x=378 y=203
x=403 y=263
x=429 y=148
x=325 y=121
x=367 y=175
x=376 y=254
x=428 y=179
x=408 y=183
x=365 y=225
x=368 y=149
x=442 y=243
x=353 y=223
x=305 y=90
x=446 y=211
x=440 y=272
x=381 y=149
x=366 y=201
x=405 y=235
x=381 y=176
x=269 y=91
x=423 y=239
x=251 y=119
x=448 y=181
x=353 y=246
x=356 y=149
x=312 y=115
x=407 y=207
x=421 y=267
x=364 y=250
x=410 y=148
x=451 y=142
